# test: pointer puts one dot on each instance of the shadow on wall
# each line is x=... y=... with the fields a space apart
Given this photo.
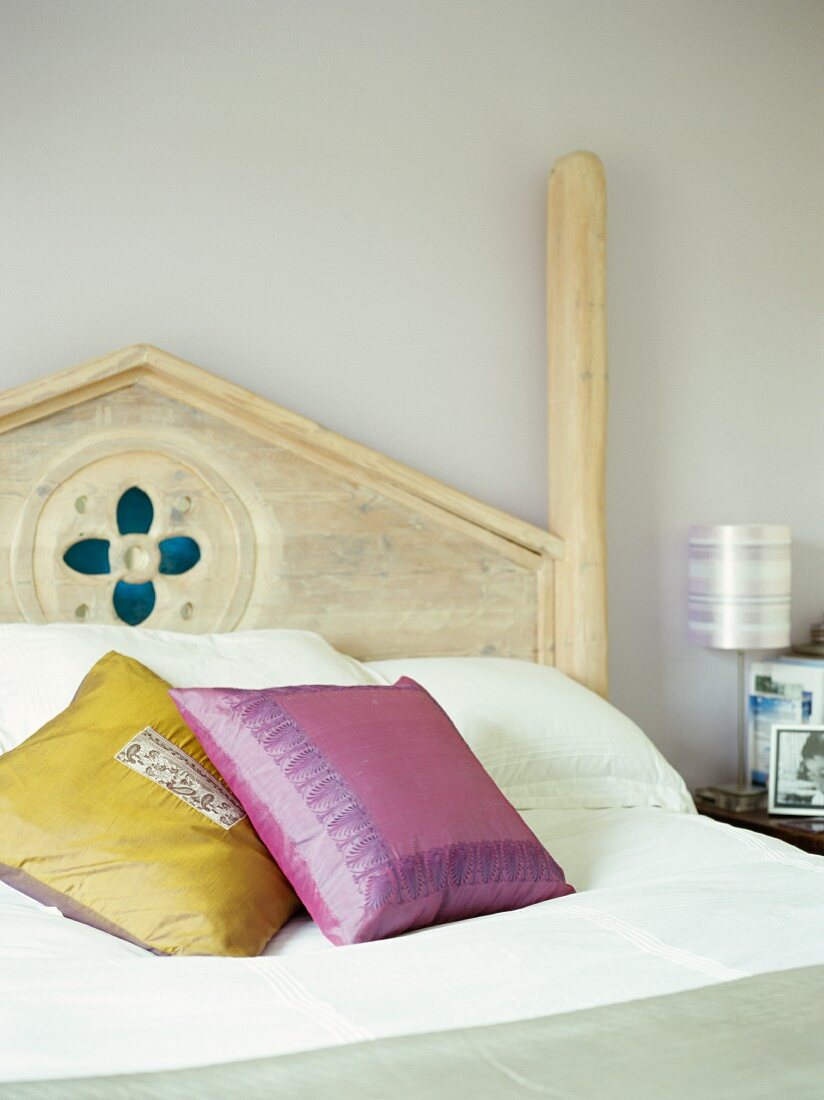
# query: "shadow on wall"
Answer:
x=808 y=588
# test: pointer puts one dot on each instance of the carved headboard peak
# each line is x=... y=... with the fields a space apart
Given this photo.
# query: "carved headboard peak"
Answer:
x=158 y=370
x=139 y=488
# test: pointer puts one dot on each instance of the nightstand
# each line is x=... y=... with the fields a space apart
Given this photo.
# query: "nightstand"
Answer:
x=804 y=832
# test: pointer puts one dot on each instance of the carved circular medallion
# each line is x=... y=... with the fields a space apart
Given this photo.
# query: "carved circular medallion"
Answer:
x=142 y=536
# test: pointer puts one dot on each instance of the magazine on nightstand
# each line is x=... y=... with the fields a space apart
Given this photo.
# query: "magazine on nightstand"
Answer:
x=787 y=690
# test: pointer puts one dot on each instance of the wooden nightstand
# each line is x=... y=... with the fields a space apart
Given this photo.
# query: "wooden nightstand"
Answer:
x=804 y=832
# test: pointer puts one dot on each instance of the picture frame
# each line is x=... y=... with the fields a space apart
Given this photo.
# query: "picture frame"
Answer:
x=796 y=780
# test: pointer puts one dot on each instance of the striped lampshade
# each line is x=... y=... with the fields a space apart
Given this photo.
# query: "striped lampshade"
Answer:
x=739 y=586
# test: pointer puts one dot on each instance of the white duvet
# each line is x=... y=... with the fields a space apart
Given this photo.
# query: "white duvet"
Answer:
x=666 y=902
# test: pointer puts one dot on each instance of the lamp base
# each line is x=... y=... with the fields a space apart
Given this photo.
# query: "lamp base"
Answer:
x=731 y=796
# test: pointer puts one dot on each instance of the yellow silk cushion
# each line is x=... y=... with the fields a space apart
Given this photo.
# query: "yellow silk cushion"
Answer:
x=113 y=813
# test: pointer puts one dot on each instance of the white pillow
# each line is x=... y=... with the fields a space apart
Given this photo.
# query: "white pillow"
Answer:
x=41 y=667
x=547 y=741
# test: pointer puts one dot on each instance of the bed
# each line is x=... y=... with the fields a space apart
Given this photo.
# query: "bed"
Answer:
x=150 y=508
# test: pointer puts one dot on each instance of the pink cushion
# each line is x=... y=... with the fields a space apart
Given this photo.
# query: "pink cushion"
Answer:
x=372 y=804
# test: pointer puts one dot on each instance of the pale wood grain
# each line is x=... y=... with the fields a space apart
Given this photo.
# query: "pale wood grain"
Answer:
x=286 y=540
x=576 y=311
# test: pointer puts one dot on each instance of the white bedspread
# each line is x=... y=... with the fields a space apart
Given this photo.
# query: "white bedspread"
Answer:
x=666 y=902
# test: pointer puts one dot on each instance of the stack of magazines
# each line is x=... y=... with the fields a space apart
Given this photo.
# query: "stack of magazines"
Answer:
x=787 y=691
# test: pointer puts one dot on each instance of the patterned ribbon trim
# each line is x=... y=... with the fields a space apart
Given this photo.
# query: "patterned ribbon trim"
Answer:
x=153 y=756
x=322 y=788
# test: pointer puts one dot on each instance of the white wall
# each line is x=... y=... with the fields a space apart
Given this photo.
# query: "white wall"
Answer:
x=341 y=206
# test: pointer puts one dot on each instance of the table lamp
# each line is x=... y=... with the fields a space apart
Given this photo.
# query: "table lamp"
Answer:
x=739 y=598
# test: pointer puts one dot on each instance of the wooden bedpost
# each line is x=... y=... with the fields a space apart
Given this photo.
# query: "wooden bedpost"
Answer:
x=576 y=314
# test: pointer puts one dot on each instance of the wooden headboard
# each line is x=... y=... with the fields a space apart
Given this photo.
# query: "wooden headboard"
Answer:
x=140 y=488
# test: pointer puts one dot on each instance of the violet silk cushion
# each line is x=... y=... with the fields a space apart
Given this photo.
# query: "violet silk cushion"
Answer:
x=372 y=804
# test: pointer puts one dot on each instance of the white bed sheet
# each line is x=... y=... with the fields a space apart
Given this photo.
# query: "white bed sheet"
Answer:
x=665 y=902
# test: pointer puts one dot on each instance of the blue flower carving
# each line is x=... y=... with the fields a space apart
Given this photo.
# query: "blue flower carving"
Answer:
x=133 y=602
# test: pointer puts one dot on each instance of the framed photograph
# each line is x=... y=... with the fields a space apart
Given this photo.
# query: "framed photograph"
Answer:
x=796 y=770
